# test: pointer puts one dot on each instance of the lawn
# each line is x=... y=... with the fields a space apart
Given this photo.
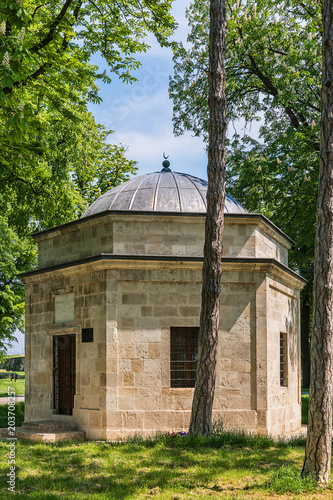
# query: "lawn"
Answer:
x=227 y=466
x=18 y=386
x=19 y=414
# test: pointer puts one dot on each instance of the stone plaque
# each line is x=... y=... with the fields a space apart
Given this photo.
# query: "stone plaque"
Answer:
x=64 y=308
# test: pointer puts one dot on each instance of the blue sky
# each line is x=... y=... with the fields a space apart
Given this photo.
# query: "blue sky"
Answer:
x=141 y=113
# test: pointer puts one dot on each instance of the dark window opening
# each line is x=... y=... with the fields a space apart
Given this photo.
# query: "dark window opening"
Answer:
x=87 y=334
x=283 y=360
x=183 y=356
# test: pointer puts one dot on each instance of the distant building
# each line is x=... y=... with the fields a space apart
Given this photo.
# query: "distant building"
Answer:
x=112 y=315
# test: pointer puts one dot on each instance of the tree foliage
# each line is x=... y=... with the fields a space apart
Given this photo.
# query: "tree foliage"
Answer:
x=54 y=40
x=273 y=64
x=45 y=73
x=54 y=158
x=77 y=165
x=16 y=255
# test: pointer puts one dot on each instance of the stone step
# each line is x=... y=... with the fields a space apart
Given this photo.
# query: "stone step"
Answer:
x=50 y=437
x=49 y=426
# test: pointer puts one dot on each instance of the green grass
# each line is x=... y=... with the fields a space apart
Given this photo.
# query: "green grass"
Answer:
x=18 y=386
x=2 y=370
x=287 y=479
x=229 y=466
x=19 y=414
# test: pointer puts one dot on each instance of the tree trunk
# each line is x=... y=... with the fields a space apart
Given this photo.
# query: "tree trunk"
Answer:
x=305 y=341
x=202 y=406
x=319 y=440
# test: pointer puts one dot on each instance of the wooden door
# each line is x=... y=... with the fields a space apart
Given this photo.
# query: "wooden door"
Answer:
x=64 y=373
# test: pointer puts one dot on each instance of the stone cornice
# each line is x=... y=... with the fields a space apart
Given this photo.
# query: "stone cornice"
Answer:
x=111 y=261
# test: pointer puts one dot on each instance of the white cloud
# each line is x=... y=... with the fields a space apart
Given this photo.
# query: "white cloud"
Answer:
x=141 y=104
x=186 y=153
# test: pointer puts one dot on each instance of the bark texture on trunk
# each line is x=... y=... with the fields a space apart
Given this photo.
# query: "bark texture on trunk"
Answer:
x=319 y=440
x=202 y=406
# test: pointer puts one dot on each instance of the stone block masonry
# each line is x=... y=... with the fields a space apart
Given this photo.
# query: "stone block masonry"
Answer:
x=117 y=284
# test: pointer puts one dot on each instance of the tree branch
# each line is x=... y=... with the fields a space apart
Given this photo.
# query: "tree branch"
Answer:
x=12 y=178
x=273 y=91
x=41 y=70
x=35 y=11
x=50 y=36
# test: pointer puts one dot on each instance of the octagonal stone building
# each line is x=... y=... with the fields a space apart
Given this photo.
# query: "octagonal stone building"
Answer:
x=112 y=315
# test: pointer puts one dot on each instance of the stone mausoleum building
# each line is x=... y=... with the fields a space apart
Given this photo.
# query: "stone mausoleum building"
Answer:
x=112 y=315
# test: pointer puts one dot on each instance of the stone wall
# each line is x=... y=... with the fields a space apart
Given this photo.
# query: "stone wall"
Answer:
x=157 y=235
x=283 y=317
x=123 y=377
x=266 y=245
x=149 y=303
x=89 y=291
x=75 y=242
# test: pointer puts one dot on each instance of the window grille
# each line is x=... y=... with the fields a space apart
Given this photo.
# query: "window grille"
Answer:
x=283 y=360
x=183 y=356
x=64 y=373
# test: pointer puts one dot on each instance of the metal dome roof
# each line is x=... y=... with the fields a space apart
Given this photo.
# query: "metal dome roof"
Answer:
x=164 y=191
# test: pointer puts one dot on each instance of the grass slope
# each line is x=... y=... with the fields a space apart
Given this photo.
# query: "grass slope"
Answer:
x=227 y=466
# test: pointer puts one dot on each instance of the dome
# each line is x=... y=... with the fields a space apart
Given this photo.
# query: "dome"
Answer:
x=164 y=191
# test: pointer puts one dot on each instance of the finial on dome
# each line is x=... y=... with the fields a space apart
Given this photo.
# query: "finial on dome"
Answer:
x=166 y=164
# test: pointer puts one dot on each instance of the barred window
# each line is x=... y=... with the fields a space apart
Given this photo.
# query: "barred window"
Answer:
x=183 y=355
x=283 y=360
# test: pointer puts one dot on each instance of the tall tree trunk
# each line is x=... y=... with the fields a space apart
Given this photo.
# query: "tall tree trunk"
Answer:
x=319 y=440
x=305 y=340
x=201 y=416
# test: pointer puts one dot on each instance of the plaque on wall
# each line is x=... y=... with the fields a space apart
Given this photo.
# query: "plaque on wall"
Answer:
x=64 y=308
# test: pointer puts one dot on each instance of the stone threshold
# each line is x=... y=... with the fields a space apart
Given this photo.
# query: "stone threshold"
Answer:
x=46 y=431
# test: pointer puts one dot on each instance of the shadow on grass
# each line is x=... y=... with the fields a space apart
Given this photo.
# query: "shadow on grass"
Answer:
x=143 y=468
x=19 y=414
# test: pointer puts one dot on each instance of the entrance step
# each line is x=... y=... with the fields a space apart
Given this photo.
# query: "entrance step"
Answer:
x=48 y=425
x=48 y=431
x=50 y=437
